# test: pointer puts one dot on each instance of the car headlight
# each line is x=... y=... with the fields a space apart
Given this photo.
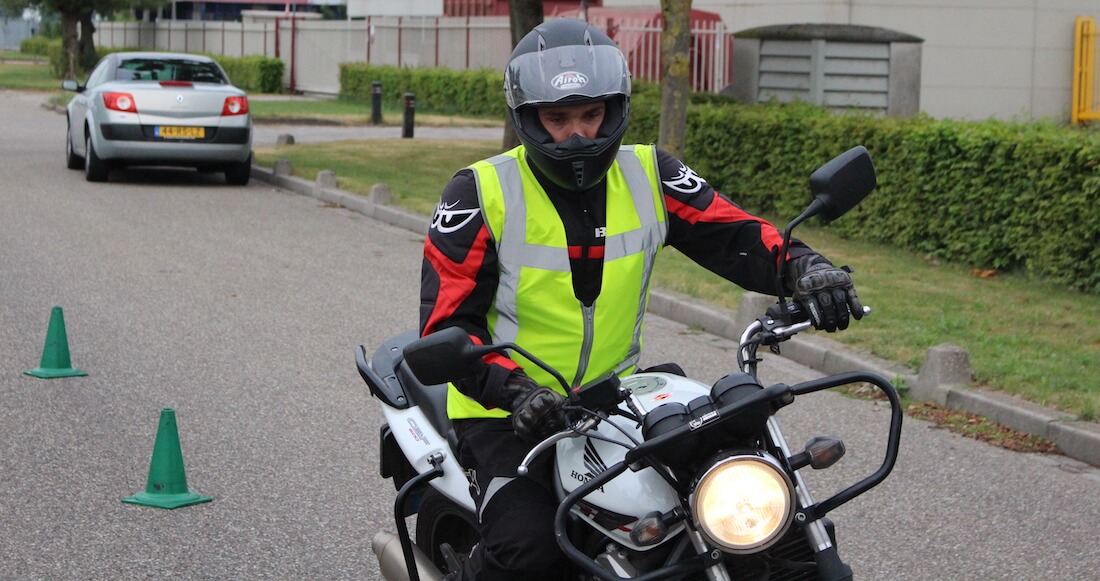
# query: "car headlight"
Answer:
x=743 y=503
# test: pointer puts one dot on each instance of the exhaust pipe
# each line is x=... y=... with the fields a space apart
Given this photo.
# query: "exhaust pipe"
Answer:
x=391 y=559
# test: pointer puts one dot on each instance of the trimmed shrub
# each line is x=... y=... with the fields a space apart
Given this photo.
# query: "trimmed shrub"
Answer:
x=475 y=93
x=254 y=74
x=37 y=45
x=990 y=194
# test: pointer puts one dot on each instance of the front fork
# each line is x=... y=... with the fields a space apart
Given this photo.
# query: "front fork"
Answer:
x=825 y=553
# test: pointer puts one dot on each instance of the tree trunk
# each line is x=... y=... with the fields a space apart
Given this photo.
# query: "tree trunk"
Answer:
x=675 y=75
x=70 y=49
x=88 y=57
x=524 y=15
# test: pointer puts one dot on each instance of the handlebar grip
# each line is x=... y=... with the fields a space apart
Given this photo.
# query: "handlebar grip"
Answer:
x=795 y=313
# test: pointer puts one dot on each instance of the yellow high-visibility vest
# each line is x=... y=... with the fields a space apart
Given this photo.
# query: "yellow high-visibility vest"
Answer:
x=535 y=305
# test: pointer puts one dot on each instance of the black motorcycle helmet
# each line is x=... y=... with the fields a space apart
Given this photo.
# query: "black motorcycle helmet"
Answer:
x=565 y=62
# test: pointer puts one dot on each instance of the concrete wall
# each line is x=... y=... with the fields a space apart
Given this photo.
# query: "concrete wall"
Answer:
x=980 y=58
x=363 y=8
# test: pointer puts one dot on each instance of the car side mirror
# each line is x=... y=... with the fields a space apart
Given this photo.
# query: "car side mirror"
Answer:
x=70 y=85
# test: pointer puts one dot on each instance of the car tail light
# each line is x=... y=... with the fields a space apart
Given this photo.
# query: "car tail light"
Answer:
x=235 y=106
x=120 y=102
x=177 y=84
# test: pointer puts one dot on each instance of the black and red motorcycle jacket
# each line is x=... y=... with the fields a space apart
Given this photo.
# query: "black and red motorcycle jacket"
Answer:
x=459 y=274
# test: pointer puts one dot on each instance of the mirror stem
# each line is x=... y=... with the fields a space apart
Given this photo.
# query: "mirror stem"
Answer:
x=814 y=208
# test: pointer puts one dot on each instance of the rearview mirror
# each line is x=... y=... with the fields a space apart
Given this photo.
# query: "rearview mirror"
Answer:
x=843 y=182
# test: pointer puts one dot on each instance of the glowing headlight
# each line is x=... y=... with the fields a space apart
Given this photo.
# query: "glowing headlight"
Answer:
x=743 y=504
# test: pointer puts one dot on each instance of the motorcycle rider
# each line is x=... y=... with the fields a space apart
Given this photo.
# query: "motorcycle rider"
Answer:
x=551 y=246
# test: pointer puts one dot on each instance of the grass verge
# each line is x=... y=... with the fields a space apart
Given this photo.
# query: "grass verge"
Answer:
x=27 y=76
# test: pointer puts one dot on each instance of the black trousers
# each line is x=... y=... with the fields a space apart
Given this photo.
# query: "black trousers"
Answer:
x=516 y=513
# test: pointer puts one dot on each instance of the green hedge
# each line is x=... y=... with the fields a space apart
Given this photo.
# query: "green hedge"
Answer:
x=477 y=93
x=254 y=74
x=38 y=45
x=991 y=194
x=1010 y=196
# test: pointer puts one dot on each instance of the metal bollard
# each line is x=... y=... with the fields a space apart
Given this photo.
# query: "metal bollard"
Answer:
x=376 y=103
x=410 y=113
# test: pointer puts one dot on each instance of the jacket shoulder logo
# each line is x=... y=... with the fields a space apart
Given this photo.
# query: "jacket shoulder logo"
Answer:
x=685 y=181
x=447 y=219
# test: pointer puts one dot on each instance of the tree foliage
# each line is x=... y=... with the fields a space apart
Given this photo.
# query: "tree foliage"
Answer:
x=77 y=26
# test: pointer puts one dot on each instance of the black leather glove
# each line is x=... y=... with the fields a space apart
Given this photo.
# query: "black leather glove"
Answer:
x=536 y=410
x=826 y=292
x=539 y=415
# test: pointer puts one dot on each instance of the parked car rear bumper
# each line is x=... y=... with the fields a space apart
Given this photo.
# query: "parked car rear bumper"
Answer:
x=133 y=145
x=227 y=135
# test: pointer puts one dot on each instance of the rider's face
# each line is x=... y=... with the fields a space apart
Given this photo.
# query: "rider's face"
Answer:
x=562 y=121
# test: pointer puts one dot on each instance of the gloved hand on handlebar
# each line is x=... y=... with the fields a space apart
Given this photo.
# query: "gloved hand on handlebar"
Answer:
x=536 y=410
x=825 y=291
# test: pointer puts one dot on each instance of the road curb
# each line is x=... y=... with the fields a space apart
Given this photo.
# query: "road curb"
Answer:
x=1076 y=439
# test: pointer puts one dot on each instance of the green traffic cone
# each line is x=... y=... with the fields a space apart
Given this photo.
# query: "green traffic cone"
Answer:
x=167 y=486
x=55 y=356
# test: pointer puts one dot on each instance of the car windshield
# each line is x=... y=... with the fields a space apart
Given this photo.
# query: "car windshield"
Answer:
x=155 y=69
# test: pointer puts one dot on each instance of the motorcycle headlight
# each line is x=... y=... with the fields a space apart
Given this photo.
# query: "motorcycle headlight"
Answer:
x=743 y=503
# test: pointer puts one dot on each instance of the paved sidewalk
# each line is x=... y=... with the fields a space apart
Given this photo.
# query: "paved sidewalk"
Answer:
x=936 y=381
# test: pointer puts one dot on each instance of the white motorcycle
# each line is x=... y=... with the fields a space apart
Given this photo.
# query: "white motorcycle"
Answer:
x=659 y=476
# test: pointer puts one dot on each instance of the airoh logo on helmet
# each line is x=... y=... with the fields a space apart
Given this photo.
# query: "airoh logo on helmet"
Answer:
x=569 y=80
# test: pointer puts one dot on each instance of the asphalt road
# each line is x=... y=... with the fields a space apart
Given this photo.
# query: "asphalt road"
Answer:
x=240 y=308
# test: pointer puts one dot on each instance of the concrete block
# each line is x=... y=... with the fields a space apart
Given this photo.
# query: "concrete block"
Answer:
x=944 y=364
x=326 y=178
x=284 y=139
x=282 y=167
x=380 y=194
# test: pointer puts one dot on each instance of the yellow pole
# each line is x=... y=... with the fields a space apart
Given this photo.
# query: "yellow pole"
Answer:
x=1075 y=95
x=1084 y=71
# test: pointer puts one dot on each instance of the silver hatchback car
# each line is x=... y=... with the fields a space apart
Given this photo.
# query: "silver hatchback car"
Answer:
x=153 y=108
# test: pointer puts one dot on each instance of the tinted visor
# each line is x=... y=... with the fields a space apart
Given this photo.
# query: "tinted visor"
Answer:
x=568 y=73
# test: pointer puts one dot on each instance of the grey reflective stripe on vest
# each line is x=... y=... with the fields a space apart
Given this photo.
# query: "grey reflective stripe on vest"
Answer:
x=652 y=233
x=513 y=249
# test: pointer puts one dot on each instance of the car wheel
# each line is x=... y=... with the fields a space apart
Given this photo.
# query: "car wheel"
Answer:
x=72 y=160
x=238 y=173
x=95 y=169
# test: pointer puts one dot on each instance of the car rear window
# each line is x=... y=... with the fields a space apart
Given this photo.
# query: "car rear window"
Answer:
x=169 y=70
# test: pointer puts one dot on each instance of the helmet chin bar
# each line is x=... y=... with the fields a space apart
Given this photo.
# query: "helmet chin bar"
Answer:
x=578 y=163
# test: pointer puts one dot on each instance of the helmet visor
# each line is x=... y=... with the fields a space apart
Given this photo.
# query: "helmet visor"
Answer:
x=566 y=73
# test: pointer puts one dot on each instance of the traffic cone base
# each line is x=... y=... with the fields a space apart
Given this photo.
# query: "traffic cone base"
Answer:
x=167 y=486
x=168 y=501
x=49 y=373
x=55 y=356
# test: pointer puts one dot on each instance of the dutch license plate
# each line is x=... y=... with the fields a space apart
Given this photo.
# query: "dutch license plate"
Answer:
x=172 y=132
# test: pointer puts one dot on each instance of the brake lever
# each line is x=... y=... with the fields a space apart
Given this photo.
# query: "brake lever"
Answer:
x=571 y=432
